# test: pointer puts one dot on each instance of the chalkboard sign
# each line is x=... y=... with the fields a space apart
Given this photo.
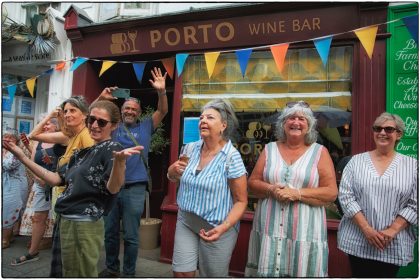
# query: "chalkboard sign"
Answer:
x=402 y=77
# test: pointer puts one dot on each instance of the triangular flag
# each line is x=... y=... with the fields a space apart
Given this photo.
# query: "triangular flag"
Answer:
x=30 y=84
x=139 y=70
x=412 y=24
x=106 y=65
x=323 y=47
x=243 y=57
x=60 y=66
x=79 y=61
x=168 y=63
x=367 y=37
x=48 y=72
x=279 y=53
x=12 y=90
x=211 y=58
x=180 y=61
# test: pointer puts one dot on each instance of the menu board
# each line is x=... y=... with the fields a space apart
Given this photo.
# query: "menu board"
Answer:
x=402 y=77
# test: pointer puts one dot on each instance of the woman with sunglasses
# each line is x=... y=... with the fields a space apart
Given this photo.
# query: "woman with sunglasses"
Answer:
x=92 y=178
x=378 y=195
x=293 y=178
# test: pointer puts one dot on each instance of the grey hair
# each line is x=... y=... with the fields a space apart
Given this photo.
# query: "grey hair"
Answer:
x=227 y=114
x=385 y=116
x=79 y=102
x=287 y=112
x=12 y=132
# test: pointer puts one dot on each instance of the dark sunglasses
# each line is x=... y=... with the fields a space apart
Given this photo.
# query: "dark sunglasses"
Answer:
x=388 y=129
x=101 y=122
x=301 y=103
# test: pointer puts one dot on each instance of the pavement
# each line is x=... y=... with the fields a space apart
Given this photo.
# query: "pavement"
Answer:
x=148 y=265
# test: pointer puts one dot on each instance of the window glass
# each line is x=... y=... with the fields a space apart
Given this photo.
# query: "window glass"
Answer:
x=260 y=95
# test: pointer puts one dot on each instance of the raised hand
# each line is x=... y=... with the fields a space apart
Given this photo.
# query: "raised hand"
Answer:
x=106 y=94
x=14 y=149
x=158 y=81
x=124 y=154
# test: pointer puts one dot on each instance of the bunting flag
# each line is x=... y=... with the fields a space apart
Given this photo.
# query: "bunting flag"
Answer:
x=323 y=47
x=279 y=54
x=60 y=66
x=367 y=38
x=106 y=65
x=211 y=59
x=412 y=23
x=30 y=84
x=49 y=71
x=243 y=58
x=168 y=63
x=139 y=70
x=11 y=90
x=79 y=61
x=180 y=61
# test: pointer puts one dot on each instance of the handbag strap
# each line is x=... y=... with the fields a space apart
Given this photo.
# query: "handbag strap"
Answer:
x=137 y=144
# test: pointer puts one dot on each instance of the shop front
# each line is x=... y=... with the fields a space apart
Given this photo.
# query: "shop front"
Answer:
x=346 y=91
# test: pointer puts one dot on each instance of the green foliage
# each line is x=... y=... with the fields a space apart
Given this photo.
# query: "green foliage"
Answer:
x=159 y=140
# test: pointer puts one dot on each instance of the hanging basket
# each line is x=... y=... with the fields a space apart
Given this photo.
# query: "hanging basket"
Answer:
x=149 y=233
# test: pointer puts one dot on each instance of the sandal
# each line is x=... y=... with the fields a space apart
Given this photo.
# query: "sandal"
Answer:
x=25 y=259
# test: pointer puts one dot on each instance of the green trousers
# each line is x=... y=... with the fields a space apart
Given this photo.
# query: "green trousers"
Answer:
x=81 y=243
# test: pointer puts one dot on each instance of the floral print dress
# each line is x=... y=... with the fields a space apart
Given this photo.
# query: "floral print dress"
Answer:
x=14 y=189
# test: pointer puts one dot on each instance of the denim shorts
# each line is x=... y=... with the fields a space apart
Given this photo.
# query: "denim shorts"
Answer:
x=40 y=203
x=190 y=251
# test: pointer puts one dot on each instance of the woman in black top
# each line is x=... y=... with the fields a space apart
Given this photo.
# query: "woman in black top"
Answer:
x=93 y=176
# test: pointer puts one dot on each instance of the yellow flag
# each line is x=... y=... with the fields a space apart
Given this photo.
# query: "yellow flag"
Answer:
x=367 y=37
x=106 y=65
x=211 y=58
x=30 y=84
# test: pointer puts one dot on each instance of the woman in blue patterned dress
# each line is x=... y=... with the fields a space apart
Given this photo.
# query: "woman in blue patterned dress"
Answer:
x=378 y=195
x=212 y=196
x=14 y=188
x=92 y=178
x=294 y=178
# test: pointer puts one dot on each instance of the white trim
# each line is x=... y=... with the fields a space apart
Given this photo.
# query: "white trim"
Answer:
x=267 y=95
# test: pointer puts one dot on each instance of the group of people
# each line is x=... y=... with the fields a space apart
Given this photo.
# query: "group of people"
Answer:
x=293 y=179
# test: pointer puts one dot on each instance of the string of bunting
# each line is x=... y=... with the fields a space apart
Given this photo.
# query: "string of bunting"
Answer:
x=366 y=35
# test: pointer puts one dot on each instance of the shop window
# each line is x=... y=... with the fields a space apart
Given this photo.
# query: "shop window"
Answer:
x=259 y=96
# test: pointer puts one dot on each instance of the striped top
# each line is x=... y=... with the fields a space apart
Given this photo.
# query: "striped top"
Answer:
x=207 y=194
x=289 y=239
x=381 y=199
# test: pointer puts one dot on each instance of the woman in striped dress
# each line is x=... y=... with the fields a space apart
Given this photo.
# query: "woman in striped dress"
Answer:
x=378 y=195
x=293 y=179
x=212 y=196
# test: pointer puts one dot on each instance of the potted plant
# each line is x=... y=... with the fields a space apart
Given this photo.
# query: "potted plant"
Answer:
x=150 y=227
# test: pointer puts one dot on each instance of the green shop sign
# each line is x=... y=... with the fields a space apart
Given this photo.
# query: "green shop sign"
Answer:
x=402 y=77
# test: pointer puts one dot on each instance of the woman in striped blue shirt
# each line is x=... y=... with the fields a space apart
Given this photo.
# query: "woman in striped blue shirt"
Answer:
x=212 y=196
x=378 y=194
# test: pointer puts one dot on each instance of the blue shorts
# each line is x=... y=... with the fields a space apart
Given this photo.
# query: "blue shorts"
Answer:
x=190 y=250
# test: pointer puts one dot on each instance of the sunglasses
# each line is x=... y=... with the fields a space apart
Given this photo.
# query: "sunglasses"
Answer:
x=300 y=103
x=388 y=129
x=100 y=122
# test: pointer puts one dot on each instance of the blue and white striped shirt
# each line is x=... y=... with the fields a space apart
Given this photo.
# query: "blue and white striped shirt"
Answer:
x=381 y=199
x=207 y=194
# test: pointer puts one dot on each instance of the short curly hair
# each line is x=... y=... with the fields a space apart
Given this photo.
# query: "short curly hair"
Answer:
x=227 y=113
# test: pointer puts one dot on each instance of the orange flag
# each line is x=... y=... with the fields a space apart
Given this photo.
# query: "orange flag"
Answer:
x=367 y=37
x=30 y=84
x=211 y=59
x=168 y=63
x=106 y=65
x=279 y=53
x=60 y=66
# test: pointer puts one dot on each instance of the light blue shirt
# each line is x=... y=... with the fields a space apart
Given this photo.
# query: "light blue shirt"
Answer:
x=207 y=194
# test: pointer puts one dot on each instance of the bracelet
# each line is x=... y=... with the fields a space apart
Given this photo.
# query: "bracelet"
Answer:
x=300 y=195
x=162 y=94
x=170 y=178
